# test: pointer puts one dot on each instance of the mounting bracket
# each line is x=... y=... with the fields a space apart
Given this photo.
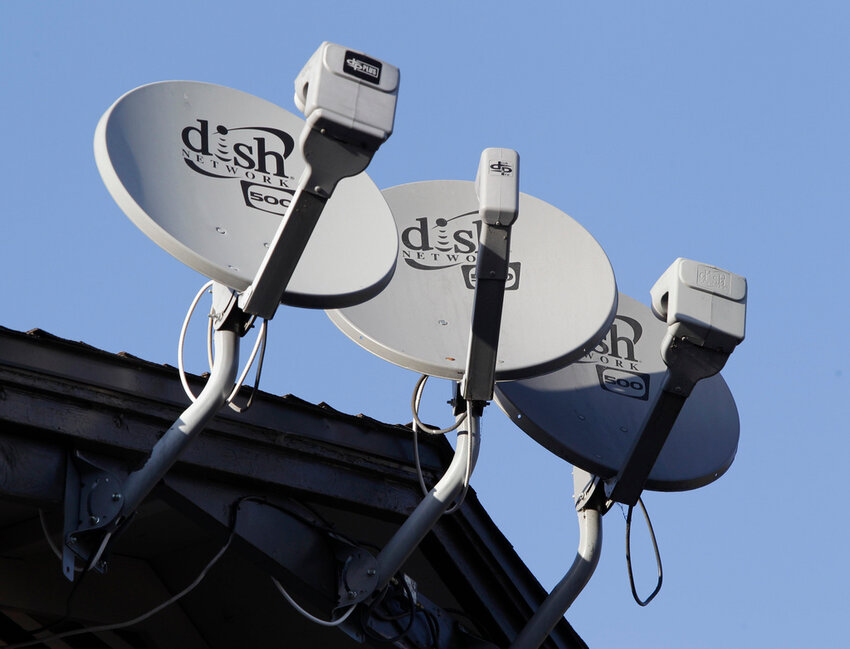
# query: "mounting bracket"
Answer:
x=93 y=501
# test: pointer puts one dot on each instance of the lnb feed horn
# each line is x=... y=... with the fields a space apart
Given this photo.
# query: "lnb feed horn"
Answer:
x=349 y=95
x=703 y=304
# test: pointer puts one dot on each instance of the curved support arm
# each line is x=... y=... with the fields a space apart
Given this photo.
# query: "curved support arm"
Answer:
x=565 y=593
x=428 y=512
x=193 y=420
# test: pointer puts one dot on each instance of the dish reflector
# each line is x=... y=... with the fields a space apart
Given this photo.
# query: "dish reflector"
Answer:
x=590 y=412
x=559 y=299
x=207 y=172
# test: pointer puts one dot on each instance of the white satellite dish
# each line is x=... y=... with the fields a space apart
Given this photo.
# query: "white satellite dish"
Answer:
x=590 y=412
x=214 y=176
x=207 y=173
x=559 y=299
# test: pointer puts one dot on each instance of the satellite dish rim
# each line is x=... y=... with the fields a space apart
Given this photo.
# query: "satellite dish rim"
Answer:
x=185 y=254
x=149 y=227
x=535 y=432
x=568 y=444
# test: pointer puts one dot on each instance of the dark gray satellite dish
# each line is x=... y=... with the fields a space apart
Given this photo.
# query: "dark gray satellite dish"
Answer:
x=590 y=412
x=208 y=172
x=559 y=298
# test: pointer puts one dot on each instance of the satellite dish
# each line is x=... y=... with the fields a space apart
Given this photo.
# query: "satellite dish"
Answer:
x=559 y=299
x=590 y=412
x=207 y=173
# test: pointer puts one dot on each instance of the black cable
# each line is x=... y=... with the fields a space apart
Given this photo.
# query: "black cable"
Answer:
x=433 y=628
x=74 y=589
x=629 y=557
x=234 y=512
x=371 y=612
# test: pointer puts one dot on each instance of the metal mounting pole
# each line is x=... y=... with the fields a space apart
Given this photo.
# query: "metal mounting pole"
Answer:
x=438 y=500
x=589 y=502
x=497 y=188
x=190 y=423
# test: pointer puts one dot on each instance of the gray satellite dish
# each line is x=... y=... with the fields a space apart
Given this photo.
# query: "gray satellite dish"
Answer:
x=559 y=299
x=590 y=412
x=207 y=173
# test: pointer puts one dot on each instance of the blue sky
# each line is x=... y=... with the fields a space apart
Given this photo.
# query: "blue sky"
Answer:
x=715 y=131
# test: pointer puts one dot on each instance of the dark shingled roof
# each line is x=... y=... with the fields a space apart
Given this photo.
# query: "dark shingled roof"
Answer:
x=353 y=473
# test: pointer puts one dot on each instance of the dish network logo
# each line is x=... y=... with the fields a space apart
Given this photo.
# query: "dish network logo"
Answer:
x=617 y=366
x=254 y=154
x=438 y=244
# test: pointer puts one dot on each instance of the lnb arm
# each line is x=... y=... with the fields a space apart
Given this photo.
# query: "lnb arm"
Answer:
x=705 y=311
x=497 y=187
x=349 y=101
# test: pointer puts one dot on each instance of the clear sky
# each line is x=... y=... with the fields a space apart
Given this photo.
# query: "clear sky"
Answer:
x=717 y=131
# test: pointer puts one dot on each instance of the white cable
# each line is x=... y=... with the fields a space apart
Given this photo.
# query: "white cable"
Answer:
x=310 y=617
x=182 y=339
x=210 y=360
x=416 y=460
x=468 y=473
x=135 y=620
x=414 y=407
x=467 y=415
x=259 y=344
x=100 y=550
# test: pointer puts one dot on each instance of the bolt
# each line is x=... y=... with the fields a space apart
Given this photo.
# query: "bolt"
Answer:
x=116 y=497
x=72 y=539
x=351 y=594
x=372 y=572
x=94 y=520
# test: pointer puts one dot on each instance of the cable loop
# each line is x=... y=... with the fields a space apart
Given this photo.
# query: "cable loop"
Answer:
x=259 y=345
x=181 y=369
x=418 y=425
x=629 y=558
x=414 y=407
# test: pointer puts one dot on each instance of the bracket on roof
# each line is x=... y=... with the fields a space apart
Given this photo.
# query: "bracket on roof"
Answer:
x=93 y=503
